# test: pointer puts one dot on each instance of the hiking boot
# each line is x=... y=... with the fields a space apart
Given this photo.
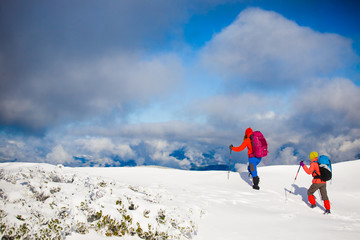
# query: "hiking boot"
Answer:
x=312 y=205
x=327 y=211
x=256 y=181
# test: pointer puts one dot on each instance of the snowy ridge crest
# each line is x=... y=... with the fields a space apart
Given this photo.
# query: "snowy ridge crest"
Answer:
x=51 y=202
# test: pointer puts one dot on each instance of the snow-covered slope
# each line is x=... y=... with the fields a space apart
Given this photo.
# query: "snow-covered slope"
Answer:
x=90 y=203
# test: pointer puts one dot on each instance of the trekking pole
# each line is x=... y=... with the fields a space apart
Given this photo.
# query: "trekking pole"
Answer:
x=295 y=178
x=229 y=164
x=297 y=173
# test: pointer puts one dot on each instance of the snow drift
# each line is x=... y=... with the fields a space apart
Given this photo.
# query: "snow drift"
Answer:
x=54 y=202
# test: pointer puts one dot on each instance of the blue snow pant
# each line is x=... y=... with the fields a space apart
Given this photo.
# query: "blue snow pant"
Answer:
x=252 y=168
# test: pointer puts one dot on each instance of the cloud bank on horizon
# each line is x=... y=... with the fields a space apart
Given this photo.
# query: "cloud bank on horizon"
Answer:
x=122 y=86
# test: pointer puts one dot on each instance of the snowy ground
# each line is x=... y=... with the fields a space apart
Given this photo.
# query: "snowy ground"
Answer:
x=183 y=204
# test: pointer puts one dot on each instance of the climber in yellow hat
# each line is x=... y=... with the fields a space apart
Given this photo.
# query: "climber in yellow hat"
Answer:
x=317 y=183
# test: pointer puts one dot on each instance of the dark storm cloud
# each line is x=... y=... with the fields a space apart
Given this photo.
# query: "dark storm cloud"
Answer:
x=85 y=27
x=70 y=60
x=60 y=60
x=77 y=91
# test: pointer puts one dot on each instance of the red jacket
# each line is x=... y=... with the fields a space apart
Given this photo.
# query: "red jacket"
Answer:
x=246 y=143
x=313 y=170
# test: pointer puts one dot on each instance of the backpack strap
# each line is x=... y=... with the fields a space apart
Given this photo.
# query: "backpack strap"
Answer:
x=251 y=137
x=317 y=175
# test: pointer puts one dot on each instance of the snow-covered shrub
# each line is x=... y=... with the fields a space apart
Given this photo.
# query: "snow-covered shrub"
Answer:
x=52 y=202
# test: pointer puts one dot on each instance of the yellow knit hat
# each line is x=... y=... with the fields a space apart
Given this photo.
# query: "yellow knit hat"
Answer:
x=313 y=155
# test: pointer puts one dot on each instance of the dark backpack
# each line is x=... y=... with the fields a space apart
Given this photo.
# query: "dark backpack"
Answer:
x=259 y=145
x=325 y=168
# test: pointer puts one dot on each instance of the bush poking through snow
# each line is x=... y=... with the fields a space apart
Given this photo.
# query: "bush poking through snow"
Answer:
x=48 y=202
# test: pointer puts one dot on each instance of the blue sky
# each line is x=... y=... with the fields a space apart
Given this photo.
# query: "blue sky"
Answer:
x=173 y=83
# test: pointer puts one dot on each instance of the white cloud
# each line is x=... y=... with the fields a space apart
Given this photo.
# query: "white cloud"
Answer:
x=350 y=145
x=268 y=115
x=96 y=145
x=266 y=49
x=329 y=103
x=341 y=147
x=248 y=109
x=124 y=151
x=287 y=156
x=160 y=150
x=96 y=148
x=59 y=156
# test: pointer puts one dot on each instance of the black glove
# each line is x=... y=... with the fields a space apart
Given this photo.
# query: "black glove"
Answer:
x=230 y=147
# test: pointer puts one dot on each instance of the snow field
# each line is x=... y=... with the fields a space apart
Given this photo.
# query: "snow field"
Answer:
x=180 y=204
